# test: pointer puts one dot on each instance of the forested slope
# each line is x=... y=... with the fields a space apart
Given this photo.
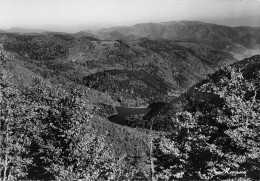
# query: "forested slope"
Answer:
x=70 y=59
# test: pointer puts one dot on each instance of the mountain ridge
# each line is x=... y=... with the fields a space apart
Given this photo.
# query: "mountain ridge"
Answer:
x=25 y=30
x=238 y=40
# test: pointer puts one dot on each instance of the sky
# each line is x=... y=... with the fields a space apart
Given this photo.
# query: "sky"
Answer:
x=75 y=15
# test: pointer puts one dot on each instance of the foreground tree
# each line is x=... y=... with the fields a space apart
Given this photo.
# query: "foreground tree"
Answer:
x=17 y=116
x=46 y=133
x=218 y=142
x=67 y=145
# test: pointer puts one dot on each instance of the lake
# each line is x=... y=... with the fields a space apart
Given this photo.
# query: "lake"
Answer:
x=123 y=113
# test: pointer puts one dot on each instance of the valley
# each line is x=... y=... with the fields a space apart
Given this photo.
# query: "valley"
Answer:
x=174 y=65
x=169 y=92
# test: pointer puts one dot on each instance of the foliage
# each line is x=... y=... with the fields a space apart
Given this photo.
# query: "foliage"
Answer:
x=17 y=118
x=126 y=84
x=51 y=133
x=38 y=48
x=67 y=143
x=219 y=143
x=48 y=129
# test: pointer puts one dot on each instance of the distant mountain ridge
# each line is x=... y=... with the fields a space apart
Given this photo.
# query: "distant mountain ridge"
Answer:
x=2 y=31
x=24 y=30
x=177 y=30
x=238 y=40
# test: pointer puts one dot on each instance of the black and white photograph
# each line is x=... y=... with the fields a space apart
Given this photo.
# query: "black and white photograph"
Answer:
x=129 y=90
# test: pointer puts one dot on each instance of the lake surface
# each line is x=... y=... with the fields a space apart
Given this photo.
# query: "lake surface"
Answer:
x=123 y=113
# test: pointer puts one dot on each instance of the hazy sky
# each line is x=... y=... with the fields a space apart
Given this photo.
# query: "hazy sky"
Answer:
x=74 y=15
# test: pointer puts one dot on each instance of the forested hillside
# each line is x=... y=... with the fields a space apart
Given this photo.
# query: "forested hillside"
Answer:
x=57 y=90
x=210 y=132
x=71 y=59
x=213 y=129
x=50 y=133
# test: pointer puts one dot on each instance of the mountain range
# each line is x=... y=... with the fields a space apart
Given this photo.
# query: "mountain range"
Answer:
x=238 y=40
x=241 y=41
x=186 y=73
x=177 y=54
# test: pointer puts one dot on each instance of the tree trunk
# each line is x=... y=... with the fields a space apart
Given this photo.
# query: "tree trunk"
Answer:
x=5 y=167
x=151 y=158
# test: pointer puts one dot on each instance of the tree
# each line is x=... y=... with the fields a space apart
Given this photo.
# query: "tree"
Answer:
x=67 y=144
x=17 y=116
x=217 y=143
x=242 y=119
x=48 y=129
